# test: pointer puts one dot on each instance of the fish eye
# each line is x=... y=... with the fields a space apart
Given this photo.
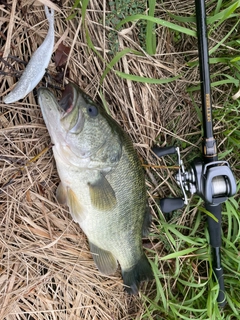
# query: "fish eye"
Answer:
x=92 y=110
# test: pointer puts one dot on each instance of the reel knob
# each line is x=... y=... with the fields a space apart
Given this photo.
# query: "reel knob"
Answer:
x=168 y=205
x=163 y=151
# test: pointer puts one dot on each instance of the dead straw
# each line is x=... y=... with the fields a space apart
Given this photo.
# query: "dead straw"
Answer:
x=46 y=270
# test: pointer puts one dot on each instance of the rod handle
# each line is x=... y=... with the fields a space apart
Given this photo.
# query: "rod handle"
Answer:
x=214 y=227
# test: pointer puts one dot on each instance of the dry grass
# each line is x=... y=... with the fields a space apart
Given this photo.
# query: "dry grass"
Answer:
x=46 y=270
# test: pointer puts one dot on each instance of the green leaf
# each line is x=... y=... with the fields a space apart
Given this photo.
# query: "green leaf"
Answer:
x=208 y=213
x=161 y=22
x=224 y=14
x=84 y=9
x=178 y=254
x=150 y=32
x=116 y=58
x=223 y=39
x=145 y=80
x=160 y=291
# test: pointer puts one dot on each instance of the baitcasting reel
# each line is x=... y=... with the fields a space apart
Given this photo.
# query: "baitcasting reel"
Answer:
x=209 y=178
x=213 y=182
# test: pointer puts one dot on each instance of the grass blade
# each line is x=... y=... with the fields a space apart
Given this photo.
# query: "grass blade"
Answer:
x=161 y=22
x=144 y=79
x=150 y=33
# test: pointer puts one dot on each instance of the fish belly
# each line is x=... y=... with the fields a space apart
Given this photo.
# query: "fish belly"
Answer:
x=116 y=230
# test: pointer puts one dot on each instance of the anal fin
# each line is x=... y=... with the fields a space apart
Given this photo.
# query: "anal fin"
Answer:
x=105 y=261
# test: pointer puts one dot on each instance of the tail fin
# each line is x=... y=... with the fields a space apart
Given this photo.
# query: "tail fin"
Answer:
x=140 y=271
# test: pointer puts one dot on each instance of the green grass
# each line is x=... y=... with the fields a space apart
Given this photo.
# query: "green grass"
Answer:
x=185 y=288
x=189 y=292
x=194 y=295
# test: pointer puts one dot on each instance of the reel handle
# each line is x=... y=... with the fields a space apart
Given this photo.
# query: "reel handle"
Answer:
x=168 y=205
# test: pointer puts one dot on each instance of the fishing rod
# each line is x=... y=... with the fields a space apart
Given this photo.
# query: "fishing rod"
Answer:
x=207 y=177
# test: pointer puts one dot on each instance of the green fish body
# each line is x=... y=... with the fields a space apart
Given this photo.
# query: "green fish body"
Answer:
x=102 y=182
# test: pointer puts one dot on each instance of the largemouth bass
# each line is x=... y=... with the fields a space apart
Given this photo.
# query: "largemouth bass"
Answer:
x=102 y=182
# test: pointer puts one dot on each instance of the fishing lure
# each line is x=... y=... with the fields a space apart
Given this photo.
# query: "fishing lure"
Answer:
x=35 y=69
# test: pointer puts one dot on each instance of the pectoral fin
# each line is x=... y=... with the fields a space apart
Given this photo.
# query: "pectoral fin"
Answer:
x=102 y=194
x=75 y=207
x=61 y=194
x=105 y=261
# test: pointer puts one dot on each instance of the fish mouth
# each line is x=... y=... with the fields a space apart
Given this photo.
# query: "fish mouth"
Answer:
x=66 y=113
x=72 y=119
x=66 y=103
